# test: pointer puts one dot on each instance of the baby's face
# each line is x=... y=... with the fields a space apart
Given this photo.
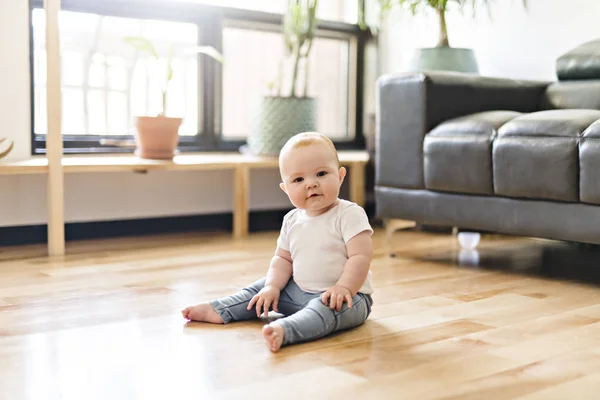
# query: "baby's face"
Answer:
x=311 y=177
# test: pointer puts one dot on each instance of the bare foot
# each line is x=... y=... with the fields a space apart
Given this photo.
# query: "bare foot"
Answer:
x=202 y=312
x=273 y=334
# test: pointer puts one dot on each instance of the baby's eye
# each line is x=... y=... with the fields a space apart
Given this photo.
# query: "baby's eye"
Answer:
x=298 y=180
x=322 y=173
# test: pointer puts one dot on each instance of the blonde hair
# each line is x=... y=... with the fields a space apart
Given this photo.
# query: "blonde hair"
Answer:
x=305 y=139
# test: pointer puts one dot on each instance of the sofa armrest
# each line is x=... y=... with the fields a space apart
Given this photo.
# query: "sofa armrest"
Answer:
x=410 y=105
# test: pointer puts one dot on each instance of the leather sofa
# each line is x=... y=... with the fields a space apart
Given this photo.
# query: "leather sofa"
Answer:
x=493 y=154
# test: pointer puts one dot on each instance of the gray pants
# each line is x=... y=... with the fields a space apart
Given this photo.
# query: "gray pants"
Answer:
x=306 y=317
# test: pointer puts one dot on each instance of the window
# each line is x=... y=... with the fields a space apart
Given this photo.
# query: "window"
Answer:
x=253 y=59
x=105 y=82
x=332 y=10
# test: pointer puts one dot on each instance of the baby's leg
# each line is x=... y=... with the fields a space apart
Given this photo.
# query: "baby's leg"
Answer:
x=316 y=320
x=290 y=302
x=226 y=309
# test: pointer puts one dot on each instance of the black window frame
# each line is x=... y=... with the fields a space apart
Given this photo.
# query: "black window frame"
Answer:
x=209 y=20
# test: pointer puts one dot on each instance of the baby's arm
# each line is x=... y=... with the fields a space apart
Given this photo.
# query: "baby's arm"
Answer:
x=278 y=276
x=280 y=270
x=356 y=269
x=279 y=273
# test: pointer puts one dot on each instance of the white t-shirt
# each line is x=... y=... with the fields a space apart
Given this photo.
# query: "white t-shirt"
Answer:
x=318 y=244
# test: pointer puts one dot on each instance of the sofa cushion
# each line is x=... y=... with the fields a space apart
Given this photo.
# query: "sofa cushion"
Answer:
x=589 y=165
x=593 y=131
x=457 y=153
x=573 y=94
x=561 y=123
x=582 y=62
x=536 y=155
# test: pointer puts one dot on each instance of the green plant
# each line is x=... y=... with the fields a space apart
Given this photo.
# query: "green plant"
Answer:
x=299 y=25
x=440 y=7
x=8 y=150
x=147 y=46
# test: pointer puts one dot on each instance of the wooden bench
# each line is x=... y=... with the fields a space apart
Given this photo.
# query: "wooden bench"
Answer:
x=354 y=161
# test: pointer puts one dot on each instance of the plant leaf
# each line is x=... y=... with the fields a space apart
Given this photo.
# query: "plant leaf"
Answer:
x=141 y=44
x=362 y=24
x=312 y=19
x=211 y=52
x=5 y=153
x=169 y=64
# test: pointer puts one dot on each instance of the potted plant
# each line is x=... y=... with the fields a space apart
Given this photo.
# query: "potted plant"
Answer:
x=4 y=153
x=442 y=56
x=287 y=110
x=157 y=136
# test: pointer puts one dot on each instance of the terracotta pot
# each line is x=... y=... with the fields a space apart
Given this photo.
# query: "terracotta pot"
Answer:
x=156 y=137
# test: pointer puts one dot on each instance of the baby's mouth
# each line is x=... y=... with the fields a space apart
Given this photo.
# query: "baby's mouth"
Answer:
x=313 y=195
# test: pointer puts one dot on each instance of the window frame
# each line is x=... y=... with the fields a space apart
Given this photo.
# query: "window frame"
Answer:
x=210 y=21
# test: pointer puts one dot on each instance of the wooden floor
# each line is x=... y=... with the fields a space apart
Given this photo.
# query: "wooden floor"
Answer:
x=104 y=323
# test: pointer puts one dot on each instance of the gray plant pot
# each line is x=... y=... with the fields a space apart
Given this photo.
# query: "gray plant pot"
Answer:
x=444 y=59
x=277 y=119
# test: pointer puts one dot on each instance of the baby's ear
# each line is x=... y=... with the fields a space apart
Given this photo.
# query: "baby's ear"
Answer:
x=282 y=187
x=342 y=173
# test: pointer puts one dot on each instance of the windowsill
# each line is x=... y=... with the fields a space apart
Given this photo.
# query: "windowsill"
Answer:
x=130 y=163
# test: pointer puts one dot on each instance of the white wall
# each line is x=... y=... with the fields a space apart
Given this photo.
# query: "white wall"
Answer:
x=14 y=78
x=515 y=43
x=95 y=197
x=110 y=196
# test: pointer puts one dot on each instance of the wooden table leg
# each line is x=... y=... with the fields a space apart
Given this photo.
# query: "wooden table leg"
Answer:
x=391 y=226
x=357 y=183
x=56 y=214
x=241 y=195
x=54 y=146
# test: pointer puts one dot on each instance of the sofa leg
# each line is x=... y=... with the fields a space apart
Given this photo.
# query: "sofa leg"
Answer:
x=391 y=226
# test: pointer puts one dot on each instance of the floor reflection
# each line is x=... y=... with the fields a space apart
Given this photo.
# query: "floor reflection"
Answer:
x=546 y=259
x=468 y=257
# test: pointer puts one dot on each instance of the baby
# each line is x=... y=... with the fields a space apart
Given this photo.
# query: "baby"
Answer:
x=319 y=277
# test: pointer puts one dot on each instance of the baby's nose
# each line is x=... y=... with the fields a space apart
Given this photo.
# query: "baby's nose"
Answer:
x=311 y=183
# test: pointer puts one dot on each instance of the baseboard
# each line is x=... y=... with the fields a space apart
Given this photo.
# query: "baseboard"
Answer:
x=33 y=234
x=259 y=221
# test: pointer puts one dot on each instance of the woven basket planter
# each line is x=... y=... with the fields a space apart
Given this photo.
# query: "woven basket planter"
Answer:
x=277 y=119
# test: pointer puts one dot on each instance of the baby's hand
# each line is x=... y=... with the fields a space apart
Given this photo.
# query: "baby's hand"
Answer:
x=336 y=296
x=263 y=299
